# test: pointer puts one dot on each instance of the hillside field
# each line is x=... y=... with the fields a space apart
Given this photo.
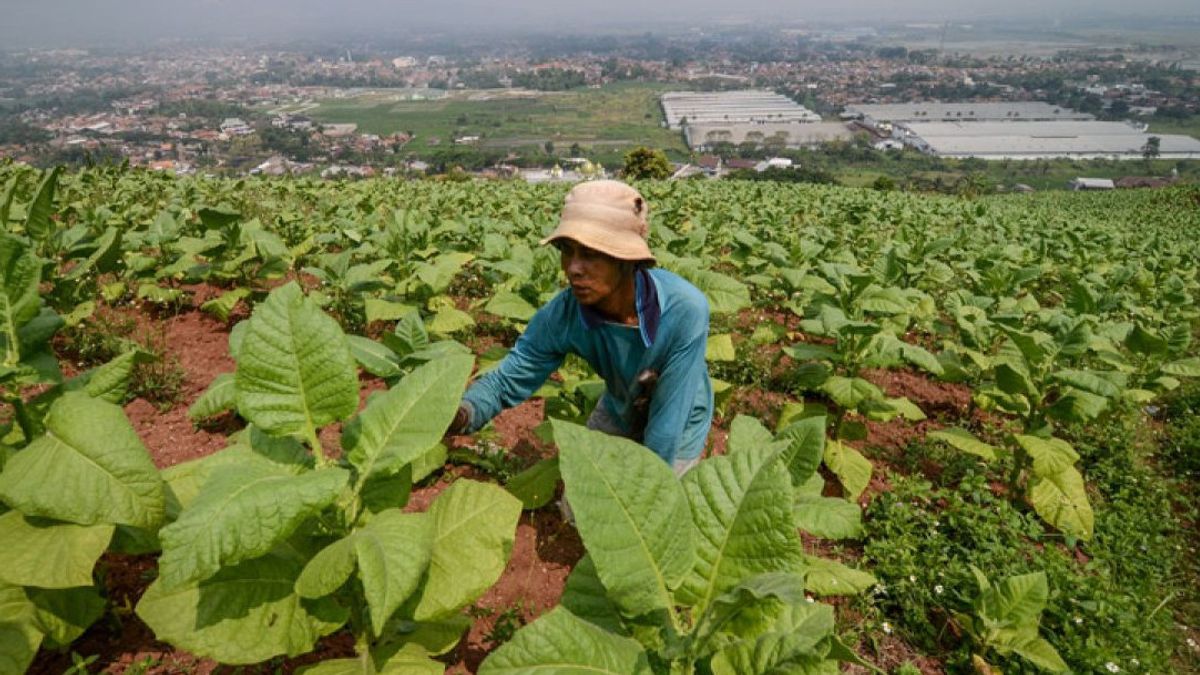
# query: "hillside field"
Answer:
x=952 y=435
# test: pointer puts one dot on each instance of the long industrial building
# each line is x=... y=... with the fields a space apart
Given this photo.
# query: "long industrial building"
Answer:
x=704 y=137
x=1041 y=140
x=733 y=107
x=1022 y=111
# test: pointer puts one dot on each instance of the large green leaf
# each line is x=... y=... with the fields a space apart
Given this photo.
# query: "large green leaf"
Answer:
x=411 y=660
x=223 y=305
x=1109 y=385
x=374 y=357
x=720 y=348
x=535 y=486
x=509 y=305
x=1061 y=500
x=725 y=294
x=244 y=614
x=852 y=469
x=747 y=433
x=49 y=554
x=1042 y=654
x=850 y=392
x=1143 y=342
x=1016 y=600
x=220 y=396
x=89 y=468
x=961 y=439
x=110 y=382
x=391 y=552
x=399 y=425
x=20 y=275
x=828 y=517
x=587 y=598
x=473 y=529
x=748 y=603
x=744 y=526
x=794 y=645
x=20 y=635
x=1183 y=367
x=38 y=219
x=294 y=370
x=805 y=448
x=1050 y=455
x=632 y=514
x=184 y=481
x=242 y=512
x=559 y=643
x=829 y=577
x=64 y=614
x=19 y=643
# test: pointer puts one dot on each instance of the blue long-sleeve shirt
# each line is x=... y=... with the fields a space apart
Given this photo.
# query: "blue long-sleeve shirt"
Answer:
x=670 y=338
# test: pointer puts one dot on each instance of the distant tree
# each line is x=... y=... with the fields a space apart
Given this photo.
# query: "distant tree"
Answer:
x=884 y=184
x=643 y=162
x=576 y=150
x=1151 y=148
x=549 y=147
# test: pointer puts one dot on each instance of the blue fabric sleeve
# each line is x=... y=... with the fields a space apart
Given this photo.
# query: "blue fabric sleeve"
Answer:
x=538 y=352
x=683 y=376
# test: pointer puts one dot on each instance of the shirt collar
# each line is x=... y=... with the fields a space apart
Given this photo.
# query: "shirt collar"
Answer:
x=648 y=310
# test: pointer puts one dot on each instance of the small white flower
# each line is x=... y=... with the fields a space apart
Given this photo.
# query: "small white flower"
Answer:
x=1191 y=643
x=938 y=589
x=1112 y=667
x=809 y=599
x=1135 y=663
x=887 y=628
x=1078 y=620
x=912 y=578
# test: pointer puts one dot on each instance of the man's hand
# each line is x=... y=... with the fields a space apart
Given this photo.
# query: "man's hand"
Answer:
x=461 y=419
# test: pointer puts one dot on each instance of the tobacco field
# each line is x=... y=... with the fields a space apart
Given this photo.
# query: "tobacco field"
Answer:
x=952 y=435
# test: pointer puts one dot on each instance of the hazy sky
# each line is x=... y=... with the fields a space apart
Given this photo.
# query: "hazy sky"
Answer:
x=90 y=21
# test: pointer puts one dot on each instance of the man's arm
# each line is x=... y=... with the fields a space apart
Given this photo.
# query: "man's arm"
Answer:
x=682 y=376
x=539 y=351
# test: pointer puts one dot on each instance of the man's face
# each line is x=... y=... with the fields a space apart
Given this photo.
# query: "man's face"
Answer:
x=593 y=275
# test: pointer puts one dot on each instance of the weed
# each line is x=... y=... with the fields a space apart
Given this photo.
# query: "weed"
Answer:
x=80 y=664
x=508 y=621
x=491 y=457
x=142 y=666
x=99 y=339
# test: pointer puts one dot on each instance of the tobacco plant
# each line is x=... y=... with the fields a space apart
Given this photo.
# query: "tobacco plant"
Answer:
x=275 y=541
x=703 y=574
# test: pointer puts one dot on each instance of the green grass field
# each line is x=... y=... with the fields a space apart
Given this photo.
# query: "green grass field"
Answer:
x=1189 y=127
x=608 y=118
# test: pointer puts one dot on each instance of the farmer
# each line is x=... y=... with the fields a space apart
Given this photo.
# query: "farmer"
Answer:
x=641 y=328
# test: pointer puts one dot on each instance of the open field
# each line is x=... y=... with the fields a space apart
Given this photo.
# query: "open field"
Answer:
x=225 y=407
x=1190 y=127
x=613 y=115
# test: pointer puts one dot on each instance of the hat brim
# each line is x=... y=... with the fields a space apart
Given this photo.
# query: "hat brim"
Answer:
x=624 y=246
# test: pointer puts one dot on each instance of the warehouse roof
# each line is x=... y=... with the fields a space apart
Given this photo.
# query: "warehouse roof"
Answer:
x=1051 y=139
x=999 y=111
x=752 y=105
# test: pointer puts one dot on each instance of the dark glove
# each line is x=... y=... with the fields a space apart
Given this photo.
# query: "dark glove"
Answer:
x=458 y=425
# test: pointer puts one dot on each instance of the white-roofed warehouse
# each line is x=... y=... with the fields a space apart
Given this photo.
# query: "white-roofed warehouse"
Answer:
x=1019 y=111
x=732 y=107
x=1041 y=140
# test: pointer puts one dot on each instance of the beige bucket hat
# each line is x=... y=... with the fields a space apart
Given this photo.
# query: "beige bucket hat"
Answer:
x=608 y=216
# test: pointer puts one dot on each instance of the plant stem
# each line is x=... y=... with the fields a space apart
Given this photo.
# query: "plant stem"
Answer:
x=314 y=442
